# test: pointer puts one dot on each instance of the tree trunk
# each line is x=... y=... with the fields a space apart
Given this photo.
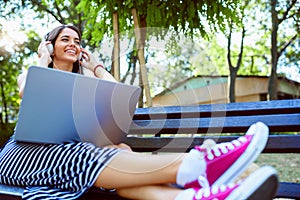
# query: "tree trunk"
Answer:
x=116 y=50
x=233 y=69
x=272 y=87
x=231 y=84
x=141 y=99
x=1 y=115
x=4 y=105
x=141 y=58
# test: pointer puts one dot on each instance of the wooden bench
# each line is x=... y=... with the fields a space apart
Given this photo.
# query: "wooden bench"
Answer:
x=179 y=128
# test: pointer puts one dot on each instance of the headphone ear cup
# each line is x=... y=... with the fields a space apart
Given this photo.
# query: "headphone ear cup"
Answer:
x=50 y=48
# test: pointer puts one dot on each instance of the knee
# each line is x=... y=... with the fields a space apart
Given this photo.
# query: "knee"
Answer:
x=121 y=146
x=124 y=146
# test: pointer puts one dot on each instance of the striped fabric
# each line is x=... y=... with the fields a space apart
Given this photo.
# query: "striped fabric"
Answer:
x=52 y=171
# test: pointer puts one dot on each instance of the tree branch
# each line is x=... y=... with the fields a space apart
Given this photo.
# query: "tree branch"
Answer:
x=45 y=8
x=285 y=14
x=228 y=46
x=286 y=45
x=61 y=20
x=242 y=48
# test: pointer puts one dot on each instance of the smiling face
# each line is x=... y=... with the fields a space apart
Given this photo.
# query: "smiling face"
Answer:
x=66 y=48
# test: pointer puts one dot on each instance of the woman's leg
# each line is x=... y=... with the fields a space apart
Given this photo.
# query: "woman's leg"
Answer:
x=158 y=192
x=120 y=146
x=130 y=169
x=202 y=167
x=151 y=192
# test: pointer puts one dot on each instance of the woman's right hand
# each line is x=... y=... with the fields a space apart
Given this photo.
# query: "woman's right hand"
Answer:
x=44 y=54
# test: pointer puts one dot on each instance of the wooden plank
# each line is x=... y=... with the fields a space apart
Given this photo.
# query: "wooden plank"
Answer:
x=11 y=192
x=285 y=190
x=288 y=190
x=9 y=197
x=231 y=109
x=276 y=143
x=96 y=194
x=278 y=123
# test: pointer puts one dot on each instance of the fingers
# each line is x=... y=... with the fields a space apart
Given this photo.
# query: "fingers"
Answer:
x=87 y=59
x=85 y=55
x=44 y=54
x=42 y=49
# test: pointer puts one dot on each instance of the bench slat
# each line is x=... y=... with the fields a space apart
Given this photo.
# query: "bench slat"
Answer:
x=11 y=192
x=275 y=144
x=278 y=123
x=288 y=190
x=208 y=110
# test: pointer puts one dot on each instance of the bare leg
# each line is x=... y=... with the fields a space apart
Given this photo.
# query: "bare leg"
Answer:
x=129 y=169
x=151 y=192
x=120 y=146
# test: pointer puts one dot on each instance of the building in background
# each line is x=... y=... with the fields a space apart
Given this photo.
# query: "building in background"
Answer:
x=213 y=89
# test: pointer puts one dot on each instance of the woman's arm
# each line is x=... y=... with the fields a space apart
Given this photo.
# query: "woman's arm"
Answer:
x=44 y=60
x=21 y=82
x=100 y=72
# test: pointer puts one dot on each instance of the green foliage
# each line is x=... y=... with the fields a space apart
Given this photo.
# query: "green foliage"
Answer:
x=289 y=25
x=9 y=100
x=6 y=130
x=191 y=18
x=188 y=17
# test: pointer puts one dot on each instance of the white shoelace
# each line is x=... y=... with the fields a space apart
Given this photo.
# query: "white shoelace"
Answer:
x=203 y=182
x=207 y=192
x=223 y=148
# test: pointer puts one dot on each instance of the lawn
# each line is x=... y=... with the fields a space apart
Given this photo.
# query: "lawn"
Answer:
x=287 y=165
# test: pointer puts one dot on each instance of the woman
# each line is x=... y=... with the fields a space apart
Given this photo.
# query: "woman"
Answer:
x=66 y=171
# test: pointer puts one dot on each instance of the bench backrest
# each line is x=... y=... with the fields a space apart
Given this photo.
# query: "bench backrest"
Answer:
x=196 y=123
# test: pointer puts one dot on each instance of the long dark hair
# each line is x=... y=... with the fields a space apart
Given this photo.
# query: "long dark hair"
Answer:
x=52 y=36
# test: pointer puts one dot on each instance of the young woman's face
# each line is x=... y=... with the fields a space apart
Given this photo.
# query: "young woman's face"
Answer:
x=67 y=46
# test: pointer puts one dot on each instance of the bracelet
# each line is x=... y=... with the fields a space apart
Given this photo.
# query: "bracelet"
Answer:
x=95 y=68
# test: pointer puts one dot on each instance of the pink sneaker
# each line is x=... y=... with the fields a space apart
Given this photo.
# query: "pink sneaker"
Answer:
x=262 y=184
x=225 y=161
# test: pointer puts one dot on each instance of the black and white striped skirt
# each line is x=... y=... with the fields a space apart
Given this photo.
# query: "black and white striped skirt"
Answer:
x=62 y=171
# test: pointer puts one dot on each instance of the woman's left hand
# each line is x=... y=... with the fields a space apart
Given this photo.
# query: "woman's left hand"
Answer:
x=88 y=60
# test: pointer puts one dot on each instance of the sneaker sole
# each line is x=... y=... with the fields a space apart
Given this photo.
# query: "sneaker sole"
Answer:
x=261 y=184
x=256 y=146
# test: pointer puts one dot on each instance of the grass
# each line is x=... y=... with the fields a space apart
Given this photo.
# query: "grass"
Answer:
x=287 y=165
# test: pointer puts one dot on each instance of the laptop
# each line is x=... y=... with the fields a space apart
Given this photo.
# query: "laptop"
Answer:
x=60 y=107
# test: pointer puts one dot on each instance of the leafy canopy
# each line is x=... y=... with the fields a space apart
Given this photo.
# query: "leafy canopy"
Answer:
x=189 y=17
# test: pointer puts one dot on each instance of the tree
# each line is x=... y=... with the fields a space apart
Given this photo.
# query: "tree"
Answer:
x=12 y=55
x=186 y=17
x=281 y=11
x=233 y=70
x=256 y=56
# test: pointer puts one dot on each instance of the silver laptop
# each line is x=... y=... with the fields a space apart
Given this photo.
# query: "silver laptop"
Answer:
x=60 y=107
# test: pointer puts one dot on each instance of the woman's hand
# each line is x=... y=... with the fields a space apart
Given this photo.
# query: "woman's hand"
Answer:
x=88 y=60
x=44 y=54
x=91 y=63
